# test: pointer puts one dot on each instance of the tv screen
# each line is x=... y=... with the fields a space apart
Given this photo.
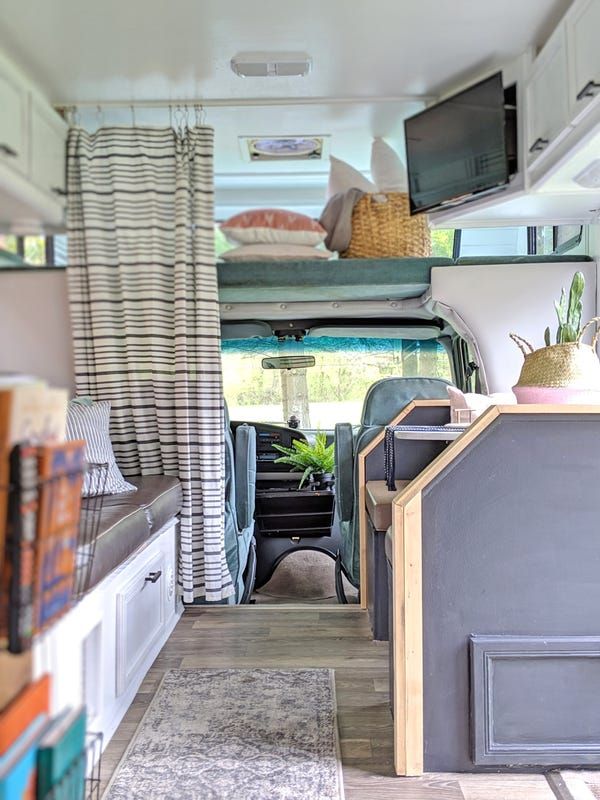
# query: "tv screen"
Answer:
x=456 y=149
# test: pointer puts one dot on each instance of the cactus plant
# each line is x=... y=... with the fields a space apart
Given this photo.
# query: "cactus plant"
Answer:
x=568 y=311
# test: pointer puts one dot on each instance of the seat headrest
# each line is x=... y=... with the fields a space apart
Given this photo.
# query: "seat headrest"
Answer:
x=389 y=396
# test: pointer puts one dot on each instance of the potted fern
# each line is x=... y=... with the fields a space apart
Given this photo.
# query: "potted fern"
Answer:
x=315 y=461
x=565 y=372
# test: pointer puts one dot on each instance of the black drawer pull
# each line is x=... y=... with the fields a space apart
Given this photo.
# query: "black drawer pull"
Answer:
x=153 y=576
x=8 y=151
x=589 y=90
x=59 y=191
x=539 y=144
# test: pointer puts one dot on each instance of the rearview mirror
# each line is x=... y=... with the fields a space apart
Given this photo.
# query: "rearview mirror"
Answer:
x=288 y=362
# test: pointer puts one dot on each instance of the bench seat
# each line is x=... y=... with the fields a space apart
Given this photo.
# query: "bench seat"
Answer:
x=129 y=519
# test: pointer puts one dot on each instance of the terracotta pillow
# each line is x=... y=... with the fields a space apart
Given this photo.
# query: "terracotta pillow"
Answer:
x=273 y=226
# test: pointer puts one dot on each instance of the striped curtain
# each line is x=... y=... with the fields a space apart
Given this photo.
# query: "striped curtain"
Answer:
x=144 y=312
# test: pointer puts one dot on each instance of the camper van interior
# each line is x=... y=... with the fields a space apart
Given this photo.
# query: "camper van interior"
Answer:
x=299 y=400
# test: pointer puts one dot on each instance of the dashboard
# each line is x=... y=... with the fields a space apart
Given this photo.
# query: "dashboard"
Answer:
x=266 y=436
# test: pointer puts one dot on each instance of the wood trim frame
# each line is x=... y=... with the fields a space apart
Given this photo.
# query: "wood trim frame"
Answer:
x=407 y=588
x=362 y=505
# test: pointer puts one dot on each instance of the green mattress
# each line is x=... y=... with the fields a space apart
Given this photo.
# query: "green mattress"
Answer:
x=344 y=278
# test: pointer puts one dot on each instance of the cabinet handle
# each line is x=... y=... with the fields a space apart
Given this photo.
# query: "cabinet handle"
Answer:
x=8 y=151
x=59 y=191
x=153 y=576
x=539 y=144
x=589 y=90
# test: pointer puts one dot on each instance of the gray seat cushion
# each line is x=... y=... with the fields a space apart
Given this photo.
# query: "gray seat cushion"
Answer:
x=127 y=520
x=121 y=530
x=160 y=496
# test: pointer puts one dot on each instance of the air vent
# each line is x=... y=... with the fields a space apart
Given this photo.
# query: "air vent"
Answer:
x=283 y=148
x=271 y=65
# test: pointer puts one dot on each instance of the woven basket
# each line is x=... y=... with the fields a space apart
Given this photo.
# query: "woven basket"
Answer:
x=383 y=228
x=573 y=365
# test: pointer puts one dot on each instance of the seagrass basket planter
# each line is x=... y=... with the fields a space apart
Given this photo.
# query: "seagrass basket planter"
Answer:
x=559 y=373
x=382 y=227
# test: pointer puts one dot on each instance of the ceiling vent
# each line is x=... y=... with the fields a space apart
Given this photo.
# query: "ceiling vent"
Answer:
x=283 y=148
x=271 y=65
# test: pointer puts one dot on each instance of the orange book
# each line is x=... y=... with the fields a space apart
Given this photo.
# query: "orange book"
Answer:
x=29 y=412
x=22 y=711
x=60 y=471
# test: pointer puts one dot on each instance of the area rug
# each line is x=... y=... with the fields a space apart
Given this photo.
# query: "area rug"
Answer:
x=235 y=734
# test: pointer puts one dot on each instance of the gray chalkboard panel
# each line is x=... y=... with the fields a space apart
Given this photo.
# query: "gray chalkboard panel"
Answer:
x=511 y=547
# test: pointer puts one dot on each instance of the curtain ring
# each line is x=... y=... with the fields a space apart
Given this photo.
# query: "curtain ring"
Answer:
x=170 y=116
x=132 y=109
x=100 y=116
x=199 y=114
x=187 y=117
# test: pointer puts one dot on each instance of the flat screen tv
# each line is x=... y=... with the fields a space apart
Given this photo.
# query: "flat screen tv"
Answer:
x=456 y=149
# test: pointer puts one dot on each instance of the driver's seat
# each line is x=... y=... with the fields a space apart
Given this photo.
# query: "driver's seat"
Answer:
x=384 y=400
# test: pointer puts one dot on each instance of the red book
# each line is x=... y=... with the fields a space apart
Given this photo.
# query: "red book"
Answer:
x=22 y=711
x=60 y=469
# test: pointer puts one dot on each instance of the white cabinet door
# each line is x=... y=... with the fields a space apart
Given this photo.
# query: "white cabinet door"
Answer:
x=583 y=32
x=141 y=606
x=547 y=97
x=48 y=149
x=13 y=124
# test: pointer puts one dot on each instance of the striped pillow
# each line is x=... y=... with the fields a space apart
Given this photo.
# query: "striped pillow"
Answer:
x=90 y=421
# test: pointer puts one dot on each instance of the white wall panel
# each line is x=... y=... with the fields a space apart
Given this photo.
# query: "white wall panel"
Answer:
x=35 y=334
x=499 y=298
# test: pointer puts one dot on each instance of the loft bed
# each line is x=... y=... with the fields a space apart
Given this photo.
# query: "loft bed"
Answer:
x=345 y=279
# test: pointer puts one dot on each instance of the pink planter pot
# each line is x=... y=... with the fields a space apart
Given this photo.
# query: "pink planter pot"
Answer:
x=559 y=396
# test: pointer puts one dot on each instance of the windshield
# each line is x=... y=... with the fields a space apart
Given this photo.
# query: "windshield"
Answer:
x=333 y=390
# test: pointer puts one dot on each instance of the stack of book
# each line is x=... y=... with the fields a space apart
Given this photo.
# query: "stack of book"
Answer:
x=39 y=516
x=39 y=757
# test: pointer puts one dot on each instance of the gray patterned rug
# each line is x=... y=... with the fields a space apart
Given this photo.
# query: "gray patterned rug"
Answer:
x=235 y=734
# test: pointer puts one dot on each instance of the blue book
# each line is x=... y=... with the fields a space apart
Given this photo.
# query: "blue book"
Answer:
x=37 y=727
x=18 y=774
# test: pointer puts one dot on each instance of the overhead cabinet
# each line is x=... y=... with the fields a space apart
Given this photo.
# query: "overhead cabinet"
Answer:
x=13 y=124
x=547 y=97
x=32 y=155
x=583 y=29
x=48 y=149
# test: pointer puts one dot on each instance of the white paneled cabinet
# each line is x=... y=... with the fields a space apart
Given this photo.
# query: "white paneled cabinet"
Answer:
x=547 y=97
x=13 y=123
x=33 y=141
x=583 y=37
x=48 y=134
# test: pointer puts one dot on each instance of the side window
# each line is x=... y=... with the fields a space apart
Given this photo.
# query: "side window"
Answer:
x=33 y=251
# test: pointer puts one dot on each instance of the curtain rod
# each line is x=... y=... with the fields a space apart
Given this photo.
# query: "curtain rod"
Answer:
x=233 y=102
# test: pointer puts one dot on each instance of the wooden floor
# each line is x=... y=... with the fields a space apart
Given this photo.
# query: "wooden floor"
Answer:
x=337 y=637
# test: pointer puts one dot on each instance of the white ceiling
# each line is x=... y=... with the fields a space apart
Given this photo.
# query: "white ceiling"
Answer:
x=372 y=60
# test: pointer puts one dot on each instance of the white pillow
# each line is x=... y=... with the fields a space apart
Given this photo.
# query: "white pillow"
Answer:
x=387 y=169
x=275 y=252
x=90 y=421
x=343 y=177
x=475 y=403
